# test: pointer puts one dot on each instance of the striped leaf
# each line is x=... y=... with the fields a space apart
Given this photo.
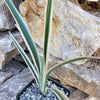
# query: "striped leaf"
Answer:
x=59 y=94
x=26 y=59
x=69 y=61
x=25 y=33
x=47 y=32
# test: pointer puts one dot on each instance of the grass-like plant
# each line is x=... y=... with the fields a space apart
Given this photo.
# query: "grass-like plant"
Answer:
x=40 y=71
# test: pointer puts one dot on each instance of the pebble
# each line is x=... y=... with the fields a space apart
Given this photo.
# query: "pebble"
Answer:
x=33 y=92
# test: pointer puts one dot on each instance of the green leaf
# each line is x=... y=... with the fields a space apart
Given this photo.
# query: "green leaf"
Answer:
x=59 y=94
x=69 y=61
x=25 y=33
x=26 y=59
x=47 y=32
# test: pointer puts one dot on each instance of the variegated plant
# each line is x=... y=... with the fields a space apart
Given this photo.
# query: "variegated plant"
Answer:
x=40 y=71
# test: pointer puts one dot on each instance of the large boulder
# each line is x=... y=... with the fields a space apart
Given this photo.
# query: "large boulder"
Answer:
x=75 y=33
x=6 y=20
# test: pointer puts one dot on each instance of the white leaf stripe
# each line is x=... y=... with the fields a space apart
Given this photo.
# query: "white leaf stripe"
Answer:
x=26 y=59
x=47 y=32
x=69 y=61
x=65 y=62
x=59 y=94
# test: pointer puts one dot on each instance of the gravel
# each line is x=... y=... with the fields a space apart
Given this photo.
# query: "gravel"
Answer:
x=33 y=92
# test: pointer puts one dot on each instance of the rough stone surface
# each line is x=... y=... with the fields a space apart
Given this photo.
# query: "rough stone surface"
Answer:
x=12 y=68
x=7 y=48
x=4 y=76
x=6 y=20
x=84 y=77
x=11 y=87
x=91 y=98
x=75 y=31
x=82 y=96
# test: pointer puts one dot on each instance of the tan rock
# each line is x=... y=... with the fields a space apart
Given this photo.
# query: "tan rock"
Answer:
x=7 y=48
x=85 y=78
x=91 y=98
x=77 y=95
x=75 y=32
x=6 y=20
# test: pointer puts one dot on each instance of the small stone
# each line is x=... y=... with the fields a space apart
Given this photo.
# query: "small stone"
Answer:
x=37 y=95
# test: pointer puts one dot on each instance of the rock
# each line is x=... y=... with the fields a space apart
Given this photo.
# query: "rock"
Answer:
x=6 y=20
x=11 y=87
x=12 y=68
x=7 y=48
x=75 y=31
x=4 y=76
x=85 y=77
x=91 y=98
x=77 y=95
